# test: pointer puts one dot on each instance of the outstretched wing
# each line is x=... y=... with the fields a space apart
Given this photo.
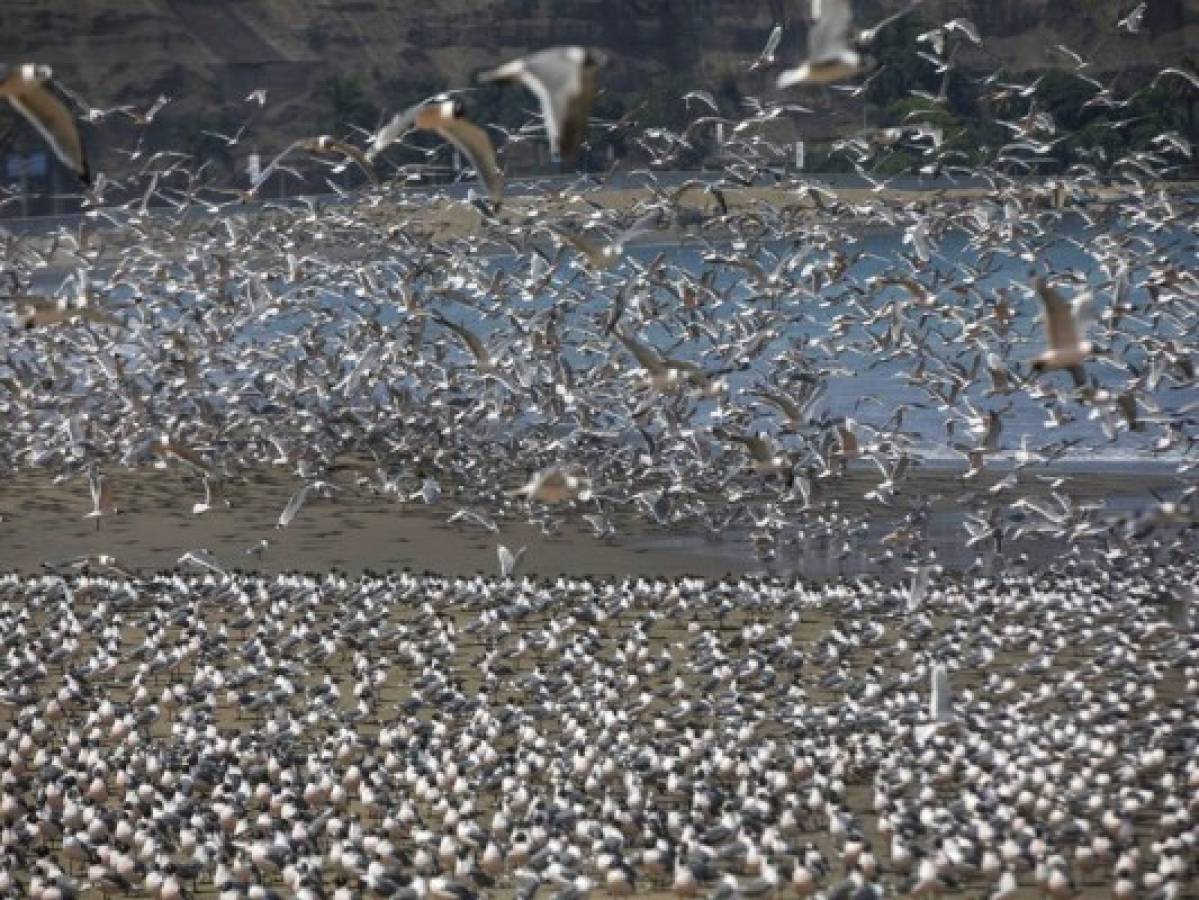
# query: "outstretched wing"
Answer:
x=50 y=116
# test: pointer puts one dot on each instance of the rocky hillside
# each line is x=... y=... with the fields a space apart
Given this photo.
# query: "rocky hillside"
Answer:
x=328 y=63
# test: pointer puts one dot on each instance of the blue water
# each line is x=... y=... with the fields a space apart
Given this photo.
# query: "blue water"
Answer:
x=864 y=383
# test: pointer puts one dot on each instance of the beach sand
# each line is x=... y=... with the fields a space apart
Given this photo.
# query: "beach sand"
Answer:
x=354 y=530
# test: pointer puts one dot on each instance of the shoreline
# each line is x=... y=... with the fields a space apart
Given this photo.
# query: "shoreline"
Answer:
x=356 y=531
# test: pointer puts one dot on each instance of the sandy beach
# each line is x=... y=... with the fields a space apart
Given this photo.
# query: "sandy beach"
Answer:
x=353 y=530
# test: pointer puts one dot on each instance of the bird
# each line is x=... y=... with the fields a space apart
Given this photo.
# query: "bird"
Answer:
x=29 y=88
x=556 y=484
x=833 y=53
x=563 y=79
x=323 y=145
x=766 y=57
x=509 y=561
x=296 y=503
x=101 y=492
x=446 y=117
x=1065 y=325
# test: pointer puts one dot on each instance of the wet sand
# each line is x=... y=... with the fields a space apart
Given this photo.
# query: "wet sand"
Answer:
x=354 y=530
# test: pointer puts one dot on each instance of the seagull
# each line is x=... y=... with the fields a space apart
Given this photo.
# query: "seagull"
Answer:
x=475 y=518
x=447 y=119
x=102 y=504
x=204 y=558
x=1065 y=323
x=509 y=560
x=39 y=312
x=445 y=116
x=323 y=145
x=940 y=713
x=833 y=55
x=297 y=501
x=1132 y=22
x=557 y=484
x=563 y=80
x=28 y=89
x=766 y=57
x=606 y=255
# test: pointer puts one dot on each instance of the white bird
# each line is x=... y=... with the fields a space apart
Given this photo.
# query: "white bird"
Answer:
x=509 y=560
x=1065 y=329
x=297 y=501
x=563 y=80
x=833 y=54
x=557 y=484
x=102 y=504
x=830 y=56
x=919 y=587
x=1132 y=22
x=766 y=57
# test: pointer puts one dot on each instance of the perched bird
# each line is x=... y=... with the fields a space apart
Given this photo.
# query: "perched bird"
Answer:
x=29 y=88
x=563 y=80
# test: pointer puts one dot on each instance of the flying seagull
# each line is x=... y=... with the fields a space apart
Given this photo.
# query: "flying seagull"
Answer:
x=1065 y=325
x=322 y=146
x=833 y=53
x=563 y=80
x=766 y=57
x=557 y=484
x=509 y=560
x=445 y=116
x=28 y=89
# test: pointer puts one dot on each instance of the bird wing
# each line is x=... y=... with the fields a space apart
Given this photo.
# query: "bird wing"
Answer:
x=352 y=152
x=830 y=32
x=293 y=505
x=1083 y=312
x=474 y=143
x=95 y=483
x=565 y=86
x=1060 y=329
x=647 y=357
x=772 y=42
x=53 y=121
x=648 y=222
x=400 y=124
x=594 y=252
x=274 y=163
x=469 y=338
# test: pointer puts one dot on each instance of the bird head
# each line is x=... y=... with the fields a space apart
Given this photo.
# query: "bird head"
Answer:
x=594 y=59
x=37 y=72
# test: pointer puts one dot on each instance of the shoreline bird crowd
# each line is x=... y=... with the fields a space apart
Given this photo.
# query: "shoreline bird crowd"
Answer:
x=714 y=352
x=407 y=735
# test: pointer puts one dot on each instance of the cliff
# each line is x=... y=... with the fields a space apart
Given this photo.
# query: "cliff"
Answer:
x=327 y=63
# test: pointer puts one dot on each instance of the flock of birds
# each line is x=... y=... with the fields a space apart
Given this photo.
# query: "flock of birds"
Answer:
x=538 y=355
x=430 y=737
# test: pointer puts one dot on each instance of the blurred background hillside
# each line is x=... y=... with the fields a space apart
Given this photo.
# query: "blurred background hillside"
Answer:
x=341 y=67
